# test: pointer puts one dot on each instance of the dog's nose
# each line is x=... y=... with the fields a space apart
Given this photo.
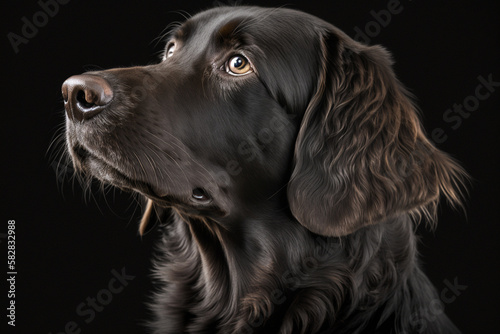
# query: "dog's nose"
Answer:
x=85 y=96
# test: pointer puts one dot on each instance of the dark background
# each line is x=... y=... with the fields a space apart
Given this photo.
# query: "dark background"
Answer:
x=68 y=243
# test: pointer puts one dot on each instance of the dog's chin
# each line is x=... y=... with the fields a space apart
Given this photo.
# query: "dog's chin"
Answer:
x=87 y=163
x=92 y=165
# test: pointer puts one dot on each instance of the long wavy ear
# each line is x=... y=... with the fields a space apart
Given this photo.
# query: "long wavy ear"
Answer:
x=361 y=155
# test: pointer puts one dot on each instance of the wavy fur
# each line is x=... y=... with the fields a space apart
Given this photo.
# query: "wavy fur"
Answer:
x=287 y=197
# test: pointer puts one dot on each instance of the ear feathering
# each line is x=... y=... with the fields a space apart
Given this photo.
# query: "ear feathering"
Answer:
x=361 y=155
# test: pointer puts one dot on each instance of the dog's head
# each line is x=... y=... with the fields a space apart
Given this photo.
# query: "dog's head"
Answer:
x=254 y=109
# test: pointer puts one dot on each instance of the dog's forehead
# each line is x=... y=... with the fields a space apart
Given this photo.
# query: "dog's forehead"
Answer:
x=223 y=22
x=213 y=23
x=213 y=19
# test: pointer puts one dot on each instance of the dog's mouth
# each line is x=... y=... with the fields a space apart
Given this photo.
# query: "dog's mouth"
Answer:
x=193 y=201
x=87 y=162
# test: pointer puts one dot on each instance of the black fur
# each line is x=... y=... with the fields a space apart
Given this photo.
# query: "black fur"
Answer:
x=288 y=195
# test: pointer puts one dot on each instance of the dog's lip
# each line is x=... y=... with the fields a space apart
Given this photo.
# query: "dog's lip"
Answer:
x=107 y=172
x=116 y=176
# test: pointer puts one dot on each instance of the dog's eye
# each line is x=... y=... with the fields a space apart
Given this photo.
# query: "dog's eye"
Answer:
x=170 y=51
x=200 y=195
x=238 y=65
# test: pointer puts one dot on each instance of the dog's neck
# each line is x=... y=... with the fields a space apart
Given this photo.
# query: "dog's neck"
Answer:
x=235 y=265
x=247 y=245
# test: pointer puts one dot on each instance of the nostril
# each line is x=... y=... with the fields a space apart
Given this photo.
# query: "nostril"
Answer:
x=85 y=99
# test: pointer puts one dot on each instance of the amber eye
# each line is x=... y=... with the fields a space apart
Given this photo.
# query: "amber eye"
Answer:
x=238 y=65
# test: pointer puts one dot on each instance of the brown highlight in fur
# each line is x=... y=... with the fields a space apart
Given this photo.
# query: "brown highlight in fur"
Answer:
x=146 y=217
x=287 y=197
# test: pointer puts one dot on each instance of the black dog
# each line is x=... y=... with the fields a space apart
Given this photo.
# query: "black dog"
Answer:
x=288 y=166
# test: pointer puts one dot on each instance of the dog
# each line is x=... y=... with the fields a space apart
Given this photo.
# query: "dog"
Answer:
x=287 y=167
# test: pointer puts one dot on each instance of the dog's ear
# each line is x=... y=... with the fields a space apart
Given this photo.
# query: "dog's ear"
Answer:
x=361 y=155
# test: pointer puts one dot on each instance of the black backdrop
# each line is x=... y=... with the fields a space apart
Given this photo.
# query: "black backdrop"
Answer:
x=70 y=248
